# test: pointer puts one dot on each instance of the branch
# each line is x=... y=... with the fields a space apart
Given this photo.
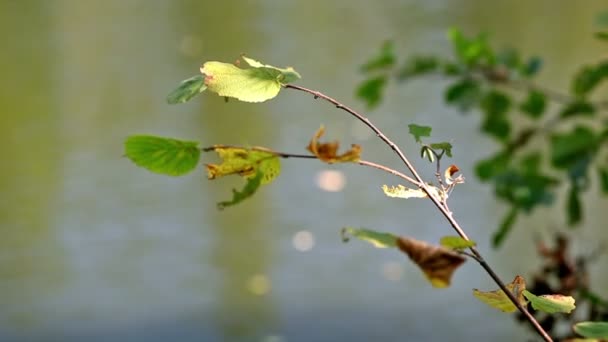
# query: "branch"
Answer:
x=309 y=156
x=437 y=202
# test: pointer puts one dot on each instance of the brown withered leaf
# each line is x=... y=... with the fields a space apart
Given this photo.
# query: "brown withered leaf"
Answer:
x=438 y=263
x=328 y=152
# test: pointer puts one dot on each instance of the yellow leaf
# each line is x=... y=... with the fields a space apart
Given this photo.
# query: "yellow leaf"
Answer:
x=438 y=263
x=499 y=300
x=401 y=191
x=245 y=163
x=328 y=152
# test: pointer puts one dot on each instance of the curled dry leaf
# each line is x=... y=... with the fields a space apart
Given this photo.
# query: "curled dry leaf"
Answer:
x=438 y=263
x=499 y=300
x=449 y=174
x=328 y=152
x=401 y=191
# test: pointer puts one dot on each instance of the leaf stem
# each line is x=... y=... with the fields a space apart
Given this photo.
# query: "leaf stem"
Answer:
x=436 y=201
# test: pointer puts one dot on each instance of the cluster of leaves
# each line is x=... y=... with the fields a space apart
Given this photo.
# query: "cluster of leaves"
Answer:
x=564 y=274
x=492 y=82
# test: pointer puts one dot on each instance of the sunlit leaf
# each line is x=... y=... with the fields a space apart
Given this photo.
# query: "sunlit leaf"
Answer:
x=436 y=262
x=371 y=90
x=419 y=131
x=592 y=329
x=328 y=152
x=551 y=303
x=256 y=84
x=401 y=191
x=245 y=162
x=471 y=50
x=162 y=155
x=443 y=146
x=385 y=58
x=187 y=90
x=505 y=227
x=377 y=239
x=251 y=186
x=499 y=300
x=534 y=105
x=456 y=242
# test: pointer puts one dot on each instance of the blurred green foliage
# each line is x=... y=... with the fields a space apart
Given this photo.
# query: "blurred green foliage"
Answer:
x=516 y=113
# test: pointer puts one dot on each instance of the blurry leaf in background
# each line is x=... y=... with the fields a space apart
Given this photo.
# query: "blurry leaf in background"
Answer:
x=491 y=167
x=328 y=152
x=377 y=239
x=385 y=58
x=577 y=108
x=568 y=148
x=588 y=78
x=551 y=303
x=417 y=66
x=456 y=242
x=419 y=131
x=256 y=84
x=162 y=155
x=495 y=106
x=505 y=227
x=436 y=262
x=602 y=35
x=471 y=51
x=499 y=300
x=531 y=67
x=574 y=207
x=187 y=89
x=464 y=94
x=370 y=91
x=592 y=329
x=534 y=105
x=603 y=177
x=251 y=186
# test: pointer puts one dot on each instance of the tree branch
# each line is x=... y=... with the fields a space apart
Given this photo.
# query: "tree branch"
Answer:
x=437 y=202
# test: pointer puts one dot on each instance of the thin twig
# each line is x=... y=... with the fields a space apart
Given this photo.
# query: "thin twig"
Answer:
x=310 y=156
x=437 y=202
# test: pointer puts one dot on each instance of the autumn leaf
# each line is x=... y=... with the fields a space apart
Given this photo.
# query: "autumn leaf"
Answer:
x=258 y=166
x=401 y=191
x=328 y=152
x=436 y=262
x=449 y=174
x=499 y=300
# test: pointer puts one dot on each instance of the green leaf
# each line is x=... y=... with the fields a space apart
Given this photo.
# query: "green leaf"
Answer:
x=418 y=65
x=370 y=91
x=567 y=149
x=251 y=186
x=443 y=146
x=509 y=57
x=603 y=175
x=534 y=105
x=377 y=239
x=550 y=303
x=588 y=78
x=495 y=105
x=162 y=155
x=187 y=90
x=419 y=131
x=456 y=242
x=578 y=108
x=532 y=66
x=497 y=126
x=592 y=329
x=464 y=94
x=385 y=58
x=471 y=51
x=574 y=207
x=602 y=35
x=489 y=168
x=256 y=84
x=505 y=227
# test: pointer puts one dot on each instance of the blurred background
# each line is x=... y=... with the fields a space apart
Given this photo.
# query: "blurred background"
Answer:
x=94 y=248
